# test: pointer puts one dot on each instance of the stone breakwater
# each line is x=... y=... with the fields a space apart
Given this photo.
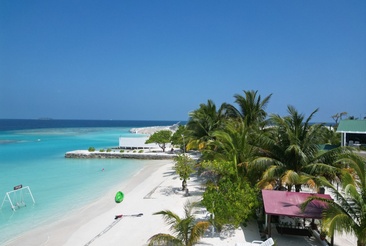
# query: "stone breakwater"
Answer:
x=152 y=129
x=85 y=154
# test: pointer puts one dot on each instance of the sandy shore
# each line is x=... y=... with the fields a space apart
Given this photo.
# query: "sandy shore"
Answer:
x=156 y=187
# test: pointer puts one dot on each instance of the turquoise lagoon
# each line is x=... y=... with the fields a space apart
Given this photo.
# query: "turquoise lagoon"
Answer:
x=35 y=158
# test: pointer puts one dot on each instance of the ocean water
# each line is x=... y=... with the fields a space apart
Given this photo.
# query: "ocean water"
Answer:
x=32 y=154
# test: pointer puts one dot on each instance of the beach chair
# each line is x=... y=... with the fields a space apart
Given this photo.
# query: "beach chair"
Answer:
x=268 y=242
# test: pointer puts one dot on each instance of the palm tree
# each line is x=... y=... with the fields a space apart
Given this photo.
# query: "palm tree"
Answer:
x=203 y=122
x=232 y=144
x=290 y=152
x=252 y=107
x=331 y=136
x=187 y=231
x=347 y=212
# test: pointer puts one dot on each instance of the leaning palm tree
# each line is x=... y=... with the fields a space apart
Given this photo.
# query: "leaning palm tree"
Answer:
x=347 y=212
x=291 y=155
x=187 y=231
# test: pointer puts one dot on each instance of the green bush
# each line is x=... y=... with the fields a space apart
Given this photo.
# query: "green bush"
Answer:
x=109 y=150
x=101 y=150
x=122 y=150
x=141 y=151
x=91 y=149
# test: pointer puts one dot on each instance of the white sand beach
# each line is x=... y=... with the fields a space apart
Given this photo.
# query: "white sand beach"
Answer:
x=156 y=187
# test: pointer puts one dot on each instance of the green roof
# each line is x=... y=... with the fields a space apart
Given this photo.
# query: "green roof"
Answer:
x=352 y=126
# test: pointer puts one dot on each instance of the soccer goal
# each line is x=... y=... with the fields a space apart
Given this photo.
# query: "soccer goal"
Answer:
x=17 y=197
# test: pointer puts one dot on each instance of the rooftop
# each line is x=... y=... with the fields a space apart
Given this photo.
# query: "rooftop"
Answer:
x=288 y=204
x=352 y=126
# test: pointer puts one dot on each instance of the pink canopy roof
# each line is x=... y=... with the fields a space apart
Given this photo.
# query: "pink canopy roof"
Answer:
x=288 y=204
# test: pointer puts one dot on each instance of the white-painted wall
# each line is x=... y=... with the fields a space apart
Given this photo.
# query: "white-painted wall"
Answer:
x=138 y=142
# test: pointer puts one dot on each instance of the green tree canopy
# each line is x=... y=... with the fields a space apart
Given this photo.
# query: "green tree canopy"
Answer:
x=180 y=137
x=184 y=166
x=232 y=144
x=252 y=107
x=230 y=203
x=290 y=151
x=161 y=138
x=203 y=122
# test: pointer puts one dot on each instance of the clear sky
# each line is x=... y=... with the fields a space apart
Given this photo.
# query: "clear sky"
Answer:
x=159 y=60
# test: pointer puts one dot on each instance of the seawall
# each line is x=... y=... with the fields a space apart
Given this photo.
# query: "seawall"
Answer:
x=85 y=154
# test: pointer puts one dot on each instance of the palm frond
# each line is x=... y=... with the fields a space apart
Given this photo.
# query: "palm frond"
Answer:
x=164 y=239
x=197 y=231
x=170 y=217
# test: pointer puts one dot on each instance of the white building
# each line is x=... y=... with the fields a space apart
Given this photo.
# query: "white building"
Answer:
x=136 y=143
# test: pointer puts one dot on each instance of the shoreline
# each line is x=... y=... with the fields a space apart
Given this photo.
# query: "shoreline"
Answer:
x=153 y=188
x=59 y=232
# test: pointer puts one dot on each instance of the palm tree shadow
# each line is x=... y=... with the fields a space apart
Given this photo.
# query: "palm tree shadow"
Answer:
x=168 y=174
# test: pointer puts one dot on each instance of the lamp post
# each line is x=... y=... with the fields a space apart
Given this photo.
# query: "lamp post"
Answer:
x=184 y=146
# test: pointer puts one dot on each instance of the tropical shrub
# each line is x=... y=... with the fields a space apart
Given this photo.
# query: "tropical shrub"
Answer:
x=184 y=167
x=230 y=203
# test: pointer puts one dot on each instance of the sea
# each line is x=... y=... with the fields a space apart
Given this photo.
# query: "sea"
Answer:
x=32 y=157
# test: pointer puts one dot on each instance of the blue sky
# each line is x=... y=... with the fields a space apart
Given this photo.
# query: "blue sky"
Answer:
x=159 y=60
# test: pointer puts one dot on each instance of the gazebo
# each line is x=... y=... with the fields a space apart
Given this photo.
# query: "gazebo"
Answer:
x=284 y=203
x=353 y=132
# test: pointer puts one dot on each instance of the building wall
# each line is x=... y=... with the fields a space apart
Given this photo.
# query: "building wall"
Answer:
x=136 y=143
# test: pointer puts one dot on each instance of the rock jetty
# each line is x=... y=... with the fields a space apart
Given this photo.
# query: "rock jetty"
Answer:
x=152 y=129
x=85 y=154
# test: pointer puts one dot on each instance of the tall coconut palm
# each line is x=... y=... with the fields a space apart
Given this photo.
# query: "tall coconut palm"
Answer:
x=203 y=122
x=232 y=144
x=252 y=107
x=187 y=231
x=290 y=152
x=347 y=212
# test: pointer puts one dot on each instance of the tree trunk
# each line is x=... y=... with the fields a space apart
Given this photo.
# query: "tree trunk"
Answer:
x=360 y=243
x=184 y=184
x=297 y=188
